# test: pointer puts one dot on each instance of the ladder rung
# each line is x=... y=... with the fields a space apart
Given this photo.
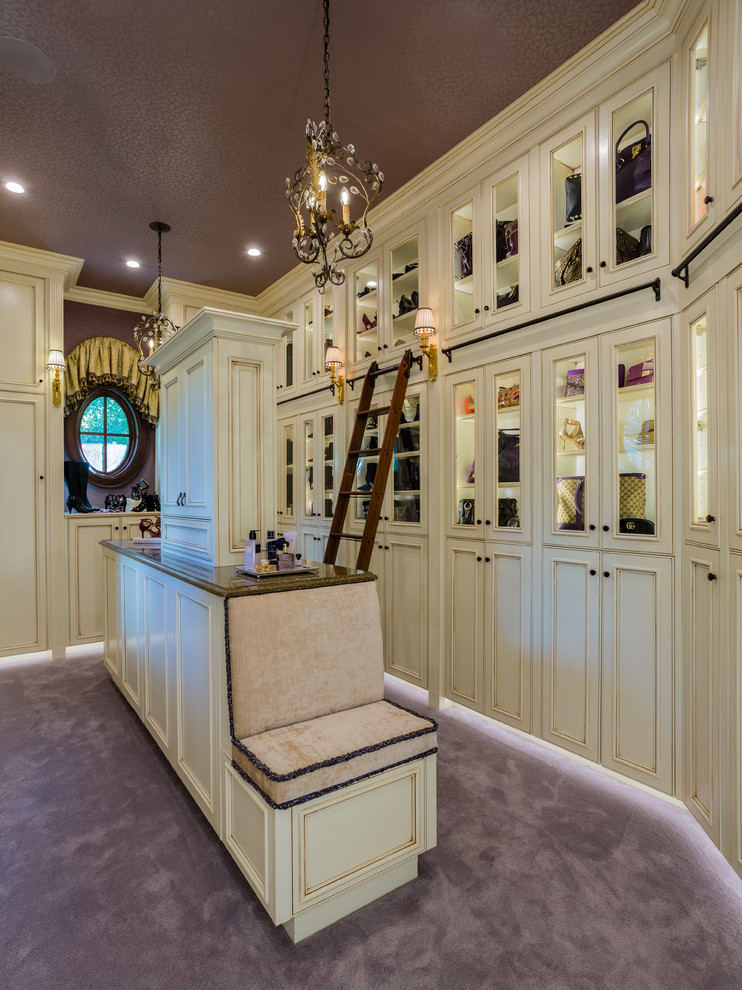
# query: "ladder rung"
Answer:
x=367 y=452
x=357 y=493
x=376 y=411
x=346 y=536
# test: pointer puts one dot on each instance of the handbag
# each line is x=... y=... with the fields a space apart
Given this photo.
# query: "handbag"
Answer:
x=511 y=296
x=501 y=239
x=633 y=164
x=463 y=259
x=511 y=238
x=569 y=267
x=636 y=527
x=571 y=508
x=632 y=496
x=627 y=247
x=508 y=397
x=466 y=512
x=508 y=456
x=507 y=512
x=573 y=192
x=641 y=373
x=575 y=382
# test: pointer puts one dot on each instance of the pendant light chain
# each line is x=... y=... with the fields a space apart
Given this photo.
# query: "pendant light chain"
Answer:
x=159 y=271
x=327 y=61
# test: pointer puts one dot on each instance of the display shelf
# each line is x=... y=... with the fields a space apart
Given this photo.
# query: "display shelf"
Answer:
x=404 y=280
x=634 y=213
x=570 y=453
x=465 y=284
x=630 y=393
x=507 y=270
x=571 y=400
x=404 y=319
x=565 y=237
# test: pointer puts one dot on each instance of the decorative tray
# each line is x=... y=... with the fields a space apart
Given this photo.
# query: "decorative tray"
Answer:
x=269 y=574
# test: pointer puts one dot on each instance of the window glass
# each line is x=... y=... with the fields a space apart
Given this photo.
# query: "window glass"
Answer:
x=105 y=434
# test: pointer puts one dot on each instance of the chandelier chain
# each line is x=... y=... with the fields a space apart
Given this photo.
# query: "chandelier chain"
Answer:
x=327 y=60
x=159 y=271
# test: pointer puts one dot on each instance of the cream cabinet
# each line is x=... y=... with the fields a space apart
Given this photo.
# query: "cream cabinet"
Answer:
x=385 y=291
x=488 y=629
x=608 y=455
x=286 y=513
x=319 y=323
x=85 y=568
x=285 y=358
x=605 y=213
x=733 y=502
x=489 y=445
x=608 y=660
x=319 y=459
x=216 y=438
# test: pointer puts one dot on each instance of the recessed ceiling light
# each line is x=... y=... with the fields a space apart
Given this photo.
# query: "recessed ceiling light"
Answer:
x=14 y=187
x=25 y=61
x=254 y=252
x=371 y=284
x=132 y=264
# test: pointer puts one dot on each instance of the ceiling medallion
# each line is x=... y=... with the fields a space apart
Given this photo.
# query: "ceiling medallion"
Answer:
x=152 y=331
x=332 y=172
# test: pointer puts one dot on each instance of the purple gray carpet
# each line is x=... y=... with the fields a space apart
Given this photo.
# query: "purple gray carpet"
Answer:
x=547 y=875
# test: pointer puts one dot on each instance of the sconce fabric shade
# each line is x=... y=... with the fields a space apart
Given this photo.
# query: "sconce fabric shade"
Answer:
x=424 y=322
x=332 y=358
x=56 y=361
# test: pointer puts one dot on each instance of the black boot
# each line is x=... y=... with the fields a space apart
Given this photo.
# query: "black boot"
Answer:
x=83 y=470
x=76 y=501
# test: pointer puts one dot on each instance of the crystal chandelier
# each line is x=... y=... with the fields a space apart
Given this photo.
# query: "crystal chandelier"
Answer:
x=152 y=331
x=333 y=172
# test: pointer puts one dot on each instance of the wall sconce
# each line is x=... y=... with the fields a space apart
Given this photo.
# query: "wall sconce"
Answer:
x=424 y=328
x=332 y=361
x=56 y=364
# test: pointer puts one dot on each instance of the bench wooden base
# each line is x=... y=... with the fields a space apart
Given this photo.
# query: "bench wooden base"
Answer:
x=317 y=862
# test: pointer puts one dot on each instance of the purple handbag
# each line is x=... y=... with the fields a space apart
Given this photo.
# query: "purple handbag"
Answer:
x=575 y=384
x=508 y=456
x=511 y=238
x=641 y=373
x=633 y=164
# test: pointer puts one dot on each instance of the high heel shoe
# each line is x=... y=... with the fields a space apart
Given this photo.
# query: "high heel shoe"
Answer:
x=571 y=429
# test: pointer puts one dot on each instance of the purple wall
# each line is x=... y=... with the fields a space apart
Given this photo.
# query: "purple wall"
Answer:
x=82 y=321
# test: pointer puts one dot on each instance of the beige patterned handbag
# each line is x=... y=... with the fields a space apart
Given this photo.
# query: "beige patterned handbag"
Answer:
x=571 y=508
x=632 y=496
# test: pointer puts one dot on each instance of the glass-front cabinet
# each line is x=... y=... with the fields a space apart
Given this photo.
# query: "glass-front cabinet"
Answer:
x=285 y=354
x=403 y=505
x=465 y=264
x=404 y=267
x=702 y=509
x=318 y=434
x=310 y=365
x=488 y=466
x=699 y=106
x=608 y=455
x=364 y=329
x=319 y=324
x=510 y=231
x=286 y=511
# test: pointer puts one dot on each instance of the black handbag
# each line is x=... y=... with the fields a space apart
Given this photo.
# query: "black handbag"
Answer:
x=573 y=190
x=507 y=512
x=466 y=512
x=508 y=456
x=633 y=164
x=464 y=258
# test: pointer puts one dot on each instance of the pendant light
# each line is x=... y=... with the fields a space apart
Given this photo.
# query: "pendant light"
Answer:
x=152 y=331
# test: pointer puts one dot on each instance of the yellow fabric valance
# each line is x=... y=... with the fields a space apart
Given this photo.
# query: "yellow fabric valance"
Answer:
x=108 y=361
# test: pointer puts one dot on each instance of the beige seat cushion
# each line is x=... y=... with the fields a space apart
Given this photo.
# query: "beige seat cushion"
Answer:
x=295 y=763
x=297 y=655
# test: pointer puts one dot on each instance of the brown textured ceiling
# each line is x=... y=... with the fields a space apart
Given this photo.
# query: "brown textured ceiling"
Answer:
x=194 y=113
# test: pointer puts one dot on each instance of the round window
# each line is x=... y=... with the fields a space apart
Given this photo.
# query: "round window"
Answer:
x=106 y=431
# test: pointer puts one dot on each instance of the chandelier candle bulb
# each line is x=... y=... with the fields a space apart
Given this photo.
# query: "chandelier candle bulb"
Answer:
x=345 y=200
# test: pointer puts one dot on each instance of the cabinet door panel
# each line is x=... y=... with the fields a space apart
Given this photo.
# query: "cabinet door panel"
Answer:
x=701 y=709
x=243 y=504
x=21 y=330
x=637 y=667
x=508 y=635
x=112 y=648
x=130 y=645
x=193 y=652
x=157 y=686
x=465 y=624
x=572 y=650
x=734 y=841
x=169 y=455
x=22 y=531
x=197 y=451
x=407 y=608
x=87 y=601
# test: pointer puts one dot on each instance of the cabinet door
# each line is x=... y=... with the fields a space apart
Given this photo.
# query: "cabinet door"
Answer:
x=406 y=618
x=734 y=841
x=733 y=502
x=309 y=340
x=571 y=444
x=637 y=667
x=731 y=90
x=87 y=585
x=405 y=503
x=507 y=637
x=158 y=693
x=364 y=308
x=465 y=464
x=112 y=633
x=311 y=543
x=508 y=288
x=170 y=445
x=197 y=448
x=636 y=406
x=406 y=290
x=465 y=623
x=571 y=652
x=509 y=451
x=463 y=258
x=131 y=665
x=325 y=453
x=22 y=530
x=633 y=189
x=700 y=462
x=701 y=686
x=698 y=166
x=285 y=359
x=312 y=462
x=22 y=321
x=568 y=216
x=287 y=445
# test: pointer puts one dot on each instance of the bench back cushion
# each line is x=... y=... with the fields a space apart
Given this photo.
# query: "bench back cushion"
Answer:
x=296 y=655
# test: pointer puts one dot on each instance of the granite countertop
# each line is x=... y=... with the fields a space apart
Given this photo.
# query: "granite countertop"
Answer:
x=225 y=582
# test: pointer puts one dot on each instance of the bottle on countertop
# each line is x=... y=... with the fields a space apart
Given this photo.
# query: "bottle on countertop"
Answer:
x=252 y=551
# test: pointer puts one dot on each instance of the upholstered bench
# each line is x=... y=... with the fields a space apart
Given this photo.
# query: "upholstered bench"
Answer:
x=330 y=793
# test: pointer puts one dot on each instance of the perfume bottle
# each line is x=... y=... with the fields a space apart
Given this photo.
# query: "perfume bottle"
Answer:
x=252 y=551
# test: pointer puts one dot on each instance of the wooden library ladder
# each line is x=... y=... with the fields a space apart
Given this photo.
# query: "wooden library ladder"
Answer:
x=385 y=453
